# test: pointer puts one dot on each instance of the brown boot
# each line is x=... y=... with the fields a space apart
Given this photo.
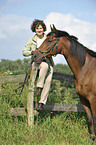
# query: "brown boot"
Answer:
x=38 y=91
x=40 y=107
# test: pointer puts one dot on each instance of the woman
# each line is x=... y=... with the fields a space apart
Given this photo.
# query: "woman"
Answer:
x=45 y=67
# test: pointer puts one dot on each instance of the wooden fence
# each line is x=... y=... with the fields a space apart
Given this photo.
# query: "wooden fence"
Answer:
x=30 y=98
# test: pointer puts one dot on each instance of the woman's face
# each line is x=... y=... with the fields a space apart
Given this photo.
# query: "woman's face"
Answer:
x=39 y=30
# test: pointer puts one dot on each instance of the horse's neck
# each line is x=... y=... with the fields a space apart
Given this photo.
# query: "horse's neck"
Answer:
x=74 y=65
x=72 y=61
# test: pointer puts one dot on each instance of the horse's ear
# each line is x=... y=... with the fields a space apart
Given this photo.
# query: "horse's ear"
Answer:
x=54 y=27
x=51 y=28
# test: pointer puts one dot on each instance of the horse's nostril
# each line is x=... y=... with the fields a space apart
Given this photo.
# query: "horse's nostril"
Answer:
x=35 y=56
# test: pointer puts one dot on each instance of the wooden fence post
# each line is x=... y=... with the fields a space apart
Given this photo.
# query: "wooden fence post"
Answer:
x=30 y=98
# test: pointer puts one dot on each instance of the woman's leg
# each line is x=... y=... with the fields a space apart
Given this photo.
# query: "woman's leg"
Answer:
x=46 y=88
x=42 y=74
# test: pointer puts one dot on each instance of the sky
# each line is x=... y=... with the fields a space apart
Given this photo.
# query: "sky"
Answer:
x=16 y=16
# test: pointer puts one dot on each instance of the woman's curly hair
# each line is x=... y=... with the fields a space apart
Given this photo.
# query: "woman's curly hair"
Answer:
x=37 y=22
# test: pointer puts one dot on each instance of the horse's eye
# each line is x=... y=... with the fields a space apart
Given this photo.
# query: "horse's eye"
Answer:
x=49 y=40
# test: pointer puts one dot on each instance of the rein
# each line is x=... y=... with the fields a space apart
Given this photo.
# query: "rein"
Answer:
x=45 y=52
x=27 y=76
x=22 y=86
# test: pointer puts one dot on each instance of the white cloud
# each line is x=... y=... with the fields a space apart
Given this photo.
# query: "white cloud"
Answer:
x=2 y=35
x=12 y=25
x=59 y=20
x=14 y=33
x=94 y=14
x=58 y=59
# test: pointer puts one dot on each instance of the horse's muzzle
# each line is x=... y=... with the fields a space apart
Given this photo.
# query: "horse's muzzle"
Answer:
x=37 y=57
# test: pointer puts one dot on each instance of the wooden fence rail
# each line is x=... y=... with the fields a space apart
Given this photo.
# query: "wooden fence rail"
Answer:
x=20 y=78
x=50 y=107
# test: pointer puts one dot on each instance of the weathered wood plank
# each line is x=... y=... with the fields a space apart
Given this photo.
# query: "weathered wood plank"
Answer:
x=20 y=112
x=63 y=107
x=50 y=107
x=20 y=78
x=17 y=112
x=12 y=78
x=63 y=77
x=60 y=107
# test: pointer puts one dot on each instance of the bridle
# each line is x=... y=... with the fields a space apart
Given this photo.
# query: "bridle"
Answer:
x=45 y=52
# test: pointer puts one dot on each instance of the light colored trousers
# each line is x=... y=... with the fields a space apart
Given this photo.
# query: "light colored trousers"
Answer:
x=44 y=79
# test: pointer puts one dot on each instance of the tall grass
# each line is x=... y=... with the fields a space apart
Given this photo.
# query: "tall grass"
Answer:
x=50 y=128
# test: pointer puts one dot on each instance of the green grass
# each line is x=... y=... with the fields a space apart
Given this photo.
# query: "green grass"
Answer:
x=50 y=128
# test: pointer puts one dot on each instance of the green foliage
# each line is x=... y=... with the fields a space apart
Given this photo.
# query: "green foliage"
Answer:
x=63 y=92
x=62 y=69
x=16 y=67
x=9 y=96
x=20 y=67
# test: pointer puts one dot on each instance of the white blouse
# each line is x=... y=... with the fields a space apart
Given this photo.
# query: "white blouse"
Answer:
x=39 y=41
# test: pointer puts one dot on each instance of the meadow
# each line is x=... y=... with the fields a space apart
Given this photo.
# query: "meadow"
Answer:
x=50 y=128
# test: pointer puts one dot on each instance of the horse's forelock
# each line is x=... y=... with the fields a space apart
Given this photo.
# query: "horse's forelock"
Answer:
x=51 y=33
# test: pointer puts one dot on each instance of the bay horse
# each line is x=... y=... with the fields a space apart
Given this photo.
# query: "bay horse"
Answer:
x=82 y=62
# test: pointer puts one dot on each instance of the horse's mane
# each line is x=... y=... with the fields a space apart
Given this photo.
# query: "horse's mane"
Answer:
x=60 y=33
x=63 y=33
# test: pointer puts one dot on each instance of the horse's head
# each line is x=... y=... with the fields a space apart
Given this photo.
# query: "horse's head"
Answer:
x=48 y=48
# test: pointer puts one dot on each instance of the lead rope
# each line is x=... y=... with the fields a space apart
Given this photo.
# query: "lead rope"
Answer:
x=27 y=76
x=22 y=86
